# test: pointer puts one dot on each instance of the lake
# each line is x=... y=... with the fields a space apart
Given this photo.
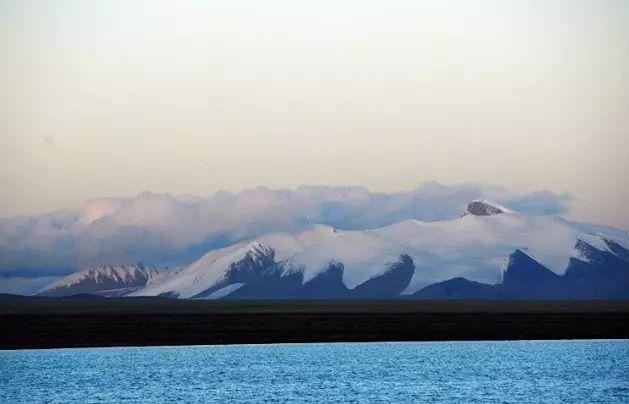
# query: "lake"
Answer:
x=517 y=371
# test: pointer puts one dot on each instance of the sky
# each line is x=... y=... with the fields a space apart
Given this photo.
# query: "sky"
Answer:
x=108 y=99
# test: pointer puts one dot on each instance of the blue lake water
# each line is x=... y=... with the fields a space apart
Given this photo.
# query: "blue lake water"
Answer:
x=520 y=371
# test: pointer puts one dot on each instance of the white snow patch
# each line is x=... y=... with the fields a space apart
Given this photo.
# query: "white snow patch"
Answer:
x=202 y=274
x=227 y=290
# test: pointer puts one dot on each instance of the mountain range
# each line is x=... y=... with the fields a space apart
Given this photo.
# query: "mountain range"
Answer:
x=167 y=230
x=489 y=252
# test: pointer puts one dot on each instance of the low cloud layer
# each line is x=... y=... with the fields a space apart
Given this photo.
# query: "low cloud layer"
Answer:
x=165 y=230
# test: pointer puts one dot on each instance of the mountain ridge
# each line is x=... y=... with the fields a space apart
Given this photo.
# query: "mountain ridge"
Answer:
x=104 y=280
x=488 y=245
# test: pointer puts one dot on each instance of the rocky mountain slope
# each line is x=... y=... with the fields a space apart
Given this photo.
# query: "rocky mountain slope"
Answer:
x=107 y=280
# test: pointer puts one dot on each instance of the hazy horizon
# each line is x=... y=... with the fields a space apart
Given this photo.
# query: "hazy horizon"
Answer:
x=114 y=98
x=564 y=204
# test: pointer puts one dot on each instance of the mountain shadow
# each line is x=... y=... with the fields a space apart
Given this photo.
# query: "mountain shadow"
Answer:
x=250 y=268
x=457 y=288
x=327 y=284
x=389 y=284
x=597 y=274
x=526 y=278
x=274 y=283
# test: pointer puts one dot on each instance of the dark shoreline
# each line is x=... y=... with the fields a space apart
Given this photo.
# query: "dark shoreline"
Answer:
x=84 y=322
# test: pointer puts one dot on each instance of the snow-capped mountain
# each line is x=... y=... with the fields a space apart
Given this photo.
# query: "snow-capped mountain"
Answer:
x=107 y=280
x=490 y=250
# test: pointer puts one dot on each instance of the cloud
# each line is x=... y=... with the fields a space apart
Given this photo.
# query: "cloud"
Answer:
x=541 y=203
x=166 y=230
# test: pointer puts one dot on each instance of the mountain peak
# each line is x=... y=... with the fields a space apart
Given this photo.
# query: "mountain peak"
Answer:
x=105 y=280
x=259 y=250
x=482 y=207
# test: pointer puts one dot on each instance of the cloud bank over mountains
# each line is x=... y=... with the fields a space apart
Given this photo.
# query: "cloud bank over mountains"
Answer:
x=161 y=229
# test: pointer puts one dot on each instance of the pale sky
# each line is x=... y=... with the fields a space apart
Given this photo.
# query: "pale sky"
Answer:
x=111 y=98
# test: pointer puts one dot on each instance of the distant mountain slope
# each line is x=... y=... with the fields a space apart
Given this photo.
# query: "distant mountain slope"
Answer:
x=456 y=288
x=596 y=274
x=528 y=256
x=108 y=280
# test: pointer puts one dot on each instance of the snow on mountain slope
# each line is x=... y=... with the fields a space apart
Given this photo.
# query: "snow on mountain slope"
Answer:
x=108 y=280
x=210 y=269
x=476 y=246
x=205 y=272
